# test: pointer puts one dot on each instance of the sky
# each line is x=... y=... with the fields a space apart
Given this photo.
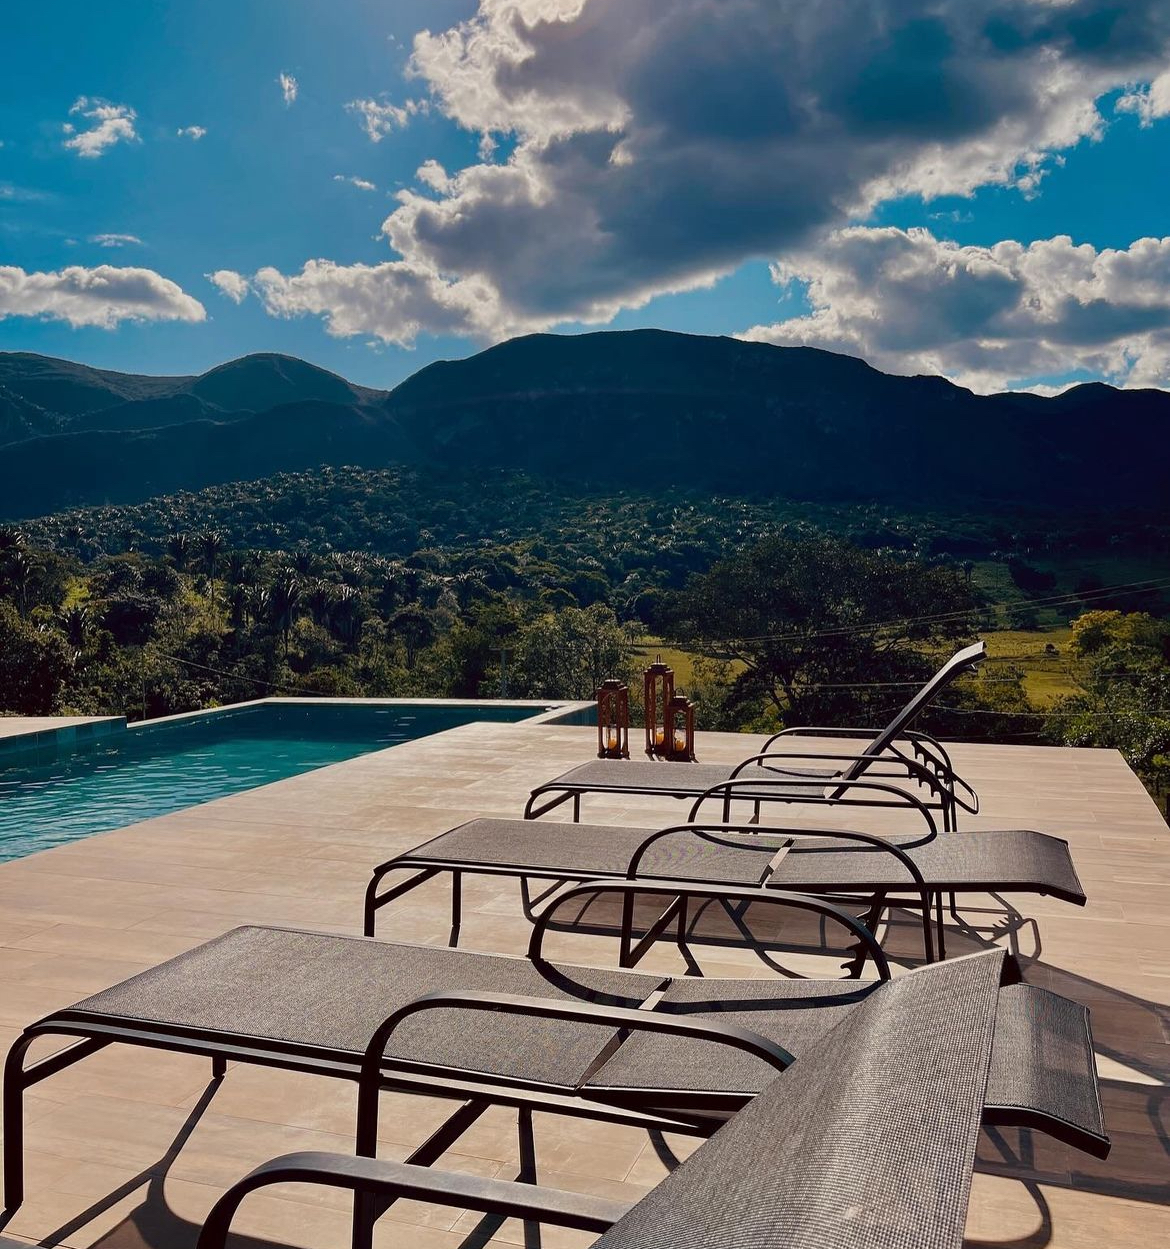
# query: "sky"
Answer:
x=975 y=188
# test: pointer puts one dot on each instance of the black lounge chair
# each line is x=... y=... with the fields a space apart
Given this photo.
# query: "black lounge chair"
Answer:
x=882 y=869
x=530 y=1034
x=868 y=1140
x=895 y=753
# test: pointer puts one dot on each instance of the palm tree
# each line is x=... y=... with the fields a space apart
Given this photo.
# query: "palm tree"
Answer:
x=239 y=567
x=210 y=546
x=259 y=602
x=237 y=605
x=348 y=612
x=11 y=539
x=18 y=572
x=319 y=600
x=179 y=549
x=77 y=620
x=284 y=603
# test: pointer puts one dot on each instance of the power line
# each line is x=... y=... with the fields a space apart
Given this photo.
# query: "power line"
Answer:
x=1148 y=585
x=240 y=676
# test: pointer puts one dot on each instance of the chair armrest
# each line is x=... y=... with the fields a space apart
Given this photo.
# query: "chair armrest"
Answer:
x=370 y=1075
x=915 y=771
x=381 y=1178
x=627 y=1018
x=728 y=790
x=866 y=841
x=725 y=893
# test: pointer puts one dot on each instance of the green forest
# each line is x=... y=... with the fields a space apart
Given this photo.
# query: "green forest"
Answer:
x=396 y=583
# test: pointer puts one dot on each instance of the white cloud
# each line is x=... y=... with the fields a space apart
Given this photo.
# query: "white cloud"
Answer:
x=360 y=183
x=109 y=124
x=379 y=117
x=191 y=132
x=101 y=296
x=654 y=147
x=394 y=302
x=115 y=240
x=19 y=194
x=228 y=282
x=288 y=89
x=1149 y=102
x=986 y=317
x=431 y=173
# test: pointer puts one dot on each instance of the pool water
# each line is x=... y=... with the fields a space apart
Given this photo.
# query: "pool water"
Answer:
x=152 y=771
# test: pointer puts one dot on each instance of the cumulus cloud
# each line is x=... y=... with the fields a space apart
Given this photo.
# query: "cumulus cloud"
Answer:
x=431 y=173
x=191 y=132
x=393 y=302
x=653 y=147
x=288 y=88
x=987 y=317
x=380 y=117
x=361 y=183
x=101 y=296
x=228 y=282
x=115 y=240
x=108 y=124
x=1148 y=102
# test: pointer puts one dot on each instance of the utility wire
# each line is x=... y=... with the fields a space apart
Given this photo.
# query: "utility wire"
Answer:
x=240 y=676
x=1138 y=587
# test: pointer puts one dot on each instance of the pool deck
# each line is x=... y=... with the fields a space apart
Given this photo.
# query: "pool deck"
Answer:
x=130 y=1148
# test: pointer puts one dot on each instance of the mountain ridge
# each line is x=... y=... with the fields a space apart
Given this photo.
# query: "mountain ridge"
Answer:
x=655 y=407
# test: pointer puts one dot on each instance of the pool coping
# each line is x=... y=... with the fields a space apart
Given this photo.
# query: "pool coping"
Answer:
x=44 y=743
x=49 y=741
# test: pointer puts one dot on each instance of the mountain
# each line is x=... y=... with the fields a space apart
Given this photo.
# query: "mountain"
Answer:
x=643 y=407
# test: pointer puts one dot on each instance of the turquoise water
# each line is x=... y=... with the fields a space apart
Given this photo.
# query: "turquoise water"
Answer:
x=149 y=772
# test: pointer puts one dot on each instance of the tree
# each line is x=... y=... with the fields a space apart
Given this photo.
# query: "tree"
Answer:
x=211 y=543
x=179 y=549
x=34 y=665
x=415 y=628
x=284 y=603
x=1122 y=662
x=568 y=654
x=821 y=632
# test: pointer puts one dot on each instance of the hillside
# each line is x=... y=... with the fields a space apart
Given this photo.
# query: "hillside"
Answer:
x=660 y=410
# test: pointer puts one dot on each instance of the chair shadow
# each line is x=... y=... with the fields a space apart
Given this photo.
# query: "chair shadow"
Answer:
x=1127 y=1029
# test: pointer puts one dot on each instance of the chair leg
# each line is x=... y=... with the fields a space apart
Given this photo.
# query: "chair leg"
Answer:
x=14 y=1086
x=456 y=906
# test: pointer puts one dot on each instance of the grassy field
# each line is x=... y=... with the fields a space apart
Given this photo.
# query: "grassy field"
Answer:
x=683 y=662
x=1046 y=676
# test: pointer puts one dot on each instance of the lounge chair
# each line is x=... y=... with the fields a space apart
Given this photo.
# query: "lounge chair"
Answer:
x=864 y=779
x=806 y=860
x=868 y=1140
x=527 y=1033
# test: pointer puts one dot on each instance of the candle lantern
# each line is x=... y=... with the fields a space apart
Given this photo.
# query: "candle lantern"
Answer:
x=613 y=720
x=680 y=730
x=657 y=691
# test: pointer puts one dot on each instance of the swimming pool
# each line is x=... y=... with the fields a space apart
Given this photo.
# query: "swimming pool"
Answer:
x=151 y=770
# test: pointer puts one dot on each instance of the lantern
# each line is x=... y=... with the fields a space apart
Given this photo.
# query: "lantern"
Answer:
x=613 y=720
x=680 y=730
x=657 y=691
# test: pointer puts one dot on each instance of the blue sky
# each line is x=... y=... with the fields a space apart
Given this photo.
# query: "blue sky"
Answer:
x=641 y=169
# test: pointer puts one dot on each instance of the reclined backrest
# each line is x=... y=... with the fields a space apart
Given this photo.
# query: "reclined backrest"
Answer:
x=966 y=660
x=868 y=1141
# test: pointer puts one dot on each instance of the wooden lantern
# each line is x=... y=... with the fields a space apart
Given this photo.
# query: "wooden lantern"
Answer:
x=680 y=730
x=657 y=691
x=613 y=720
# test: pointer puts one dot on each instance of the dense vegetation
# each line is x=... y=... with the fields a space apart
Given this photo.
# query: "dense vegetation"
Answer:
x=354 y=582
